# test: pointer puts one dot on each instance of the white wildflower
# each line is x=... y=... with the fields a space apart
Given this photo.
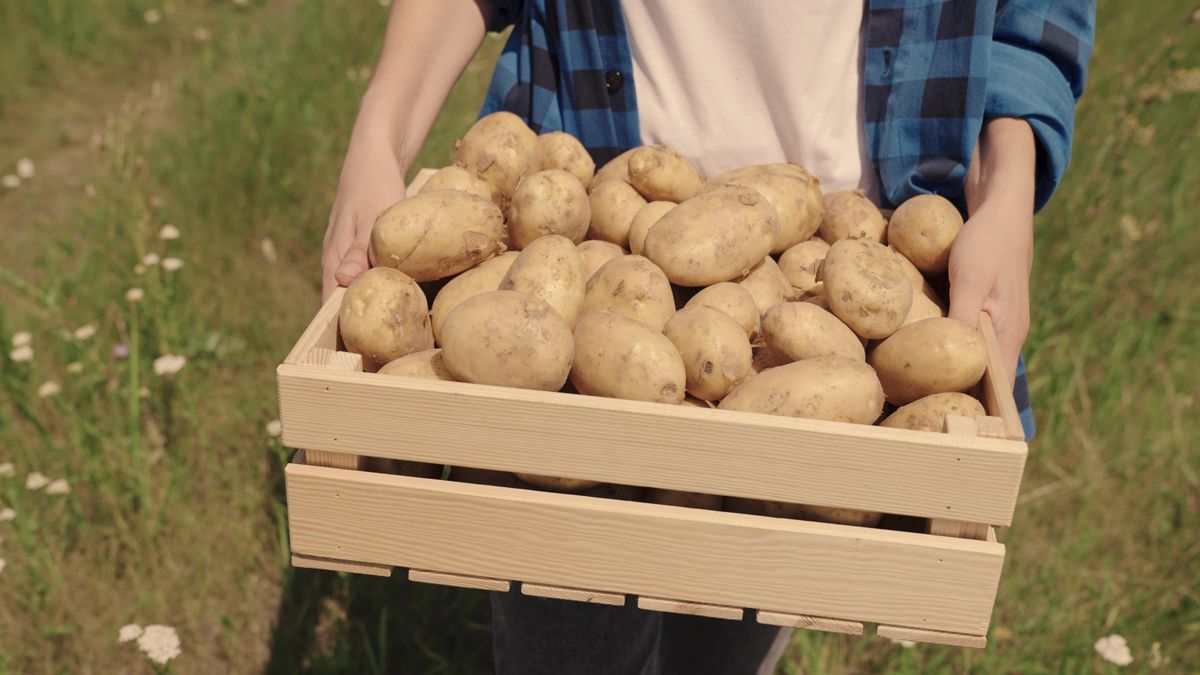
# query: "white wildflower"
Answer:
x=21 y=338
x=7 y=470
x=25 y=168
x=49 y=388
x=160 y=643
x=129 y=632
x=150 y=259
x=85 y=331
x=274 y=428
x=11 y=181
x=21 y=354
x=7 y=514
x=1114 y=649
x=201 y=34
x=134 y=294
x=139 y=269
x=36 y=481
x=168 y=232
x=74 y=368
x=152 y=16
x=268 y=250
x=58 y=487
x=171 y=264
x=169 y=364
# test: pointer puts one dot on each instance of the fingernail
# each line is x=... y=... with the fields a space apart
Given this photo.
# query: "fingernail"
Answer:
x=348 y=269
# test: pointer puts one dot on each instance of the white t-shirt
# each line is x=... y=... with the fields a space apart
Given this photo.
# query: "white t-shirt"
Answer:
x=735 y=83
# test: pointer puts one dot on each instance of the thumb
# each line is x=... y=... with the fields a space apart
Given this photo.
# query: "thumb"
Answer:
x=966 y=300
x=353 y=264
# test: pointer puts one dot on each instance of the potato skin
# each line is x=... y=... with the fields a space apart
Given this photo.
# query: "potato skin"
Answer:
x=383 y=316
x=829 y=514
x=661 y=174
x=595 y=253
x=548 y=202
x=850 y=215
x=694 y=500
x=508 y=339
x=557 y=484
x=457 y=178
x=832 y=388
x=616 y=169
x=717 y=236
x=716 y=353
x=486 y=276
x=735 y=301
x=866 y=287
x=499 y=149
x=932 y=356
x=437 y=234
x=619 y=357
x=560 y=150
x=923 y=229
x=550 y=269
x=802 y=330
x=613 y=205
x=922 y=308
x=801 y=262
x=929 y=412
x=631 y=285
x=764 y=507
x=425 y=364
x=767 y=284
x=646 y=217
x=799 y=209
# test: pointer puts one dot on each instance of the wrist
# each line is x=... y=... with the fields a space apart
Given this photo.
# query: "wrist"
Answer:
x=381 y=124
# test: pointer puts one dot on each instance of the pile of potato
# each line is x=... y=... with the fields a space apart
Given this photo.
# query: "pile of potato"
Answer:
x=749 y=291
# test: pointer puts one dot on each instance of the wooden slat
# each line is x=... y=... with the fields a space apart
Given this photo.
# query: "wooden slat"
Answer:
x=613 y=546
x=997 y=387
x=957 y=528
x=933 y=636
x=458 y=580
x=653 y=445
x=322 y=331
x=330 y=359
x=990 y=427
x=576 y=594
x=692 y=608
x=810 y=622
x=333 y=565
x=419 y=181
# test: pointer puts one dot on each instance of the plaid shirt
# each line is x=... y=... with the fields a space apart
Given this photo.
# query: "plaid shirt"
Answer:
x=934 y=70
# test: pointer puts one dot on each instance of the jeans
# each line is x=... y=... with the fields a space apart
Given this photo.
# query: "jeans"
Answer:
x=536 y=636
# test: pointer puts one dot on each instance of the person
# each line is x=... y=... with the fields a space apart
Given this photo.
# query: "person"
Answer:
x=972 y=100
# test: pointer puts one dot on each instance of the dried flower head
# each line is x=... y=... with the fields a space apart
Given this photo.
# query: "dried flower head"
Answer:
x=168 y=232
x=134 y=294
x=36 y=481
x=25 y=168
x=22 y=338
x=1114 y=649
x=58 y=487
x=171 y=264
x=152 y=16
x=129 y=632
x=85 y=331
x=11 y=181
x=150 y=259
x=274 y=428
x=160 y=643
x=49 y=388
x=74 y=368
x=7 y=470
x=169 y=364
x=21 y=354
x=268 y=250
x=7 y=514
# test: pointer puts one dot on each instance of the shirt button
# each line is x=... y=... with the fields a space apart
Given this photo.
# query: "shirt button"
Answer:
x=613 y=80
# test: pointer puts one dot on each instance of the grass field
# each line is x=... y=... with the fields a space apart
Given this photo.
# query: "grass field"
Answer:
x=228 y=121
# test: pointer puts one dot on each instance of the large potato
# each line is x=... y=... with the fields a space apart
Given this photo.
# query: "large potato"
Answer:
x=548 y=202
x=826 y=387
x=866 y=287
x=920 y=285
x=661 y=174
x=383 y=316
x=426 y=365
x=457 y=178
x=486 y=276
x=550 y=269
x=850 y=215
x=933 y=356
x=735 y=301
x=923 y=230
x=619 y=357
x=617 y=169
x=613 y=205
x=718 y=236
x=499 y=148
x=767 y=284
x=631 y=285
x=508 y=339
x=801 y=330
x=799 y=216
x=646 y=217
x=716 y=353
x=437 y=234
x=801 y=262
x=560 y=150
x=922 y=308
x=929 y=413
x=595 y=253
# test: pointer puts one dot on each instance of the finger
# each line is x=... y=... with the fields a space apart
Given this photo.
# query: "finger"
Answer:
x=353 y=264
x=966 y=300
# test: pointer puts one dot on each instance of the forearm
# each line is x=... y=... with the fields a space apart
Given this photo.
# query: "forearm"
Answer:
x=1004 y=168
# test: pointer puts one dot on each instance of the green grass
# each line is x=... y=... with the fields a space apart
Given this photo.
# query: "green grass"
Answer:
x=176 y=509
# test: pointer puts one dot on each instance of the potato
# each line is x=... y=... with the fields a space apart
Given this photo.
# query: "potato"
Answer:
x=401 y=467
x=717 y=236
x=661 y=174
x=548 y=202
x=631 y=285
x=646 y=217
x=767 y=285
x=799 y=215
x=457 y=178
x=437 y=234
x=560 y=150
x=833 y=388
x=499 y=148
x=508 y=339
x=801 y=330
x=716 y=353
x=550 y=269
x=693 y=500
x=617 y=169
x=933 y=356
x=922 y=308
x=850 y=215
x=923 y=229
x=866 y=287
x=801 y=262
x=763 y=507
x=557 y=484
x=383 y=316
x=929 y=413
x=486 y=276
x=619 y=357
x=595 y=253
x=735 y=301
x=613 y=205
x=829 y=514
x=426 y=364
x=816 y=295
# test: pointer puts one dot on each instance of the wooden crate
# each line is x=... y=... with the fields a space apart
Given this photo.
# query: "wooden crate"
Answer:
x=937 y=585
